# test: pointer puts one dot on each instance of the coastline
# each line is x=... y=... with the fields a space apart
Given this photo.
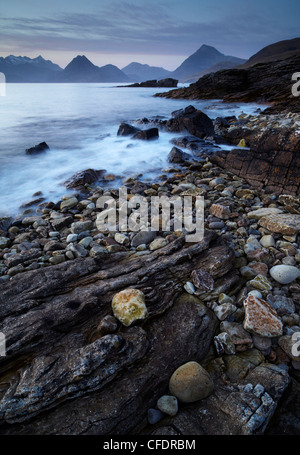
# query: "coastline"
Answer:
x=55 y=258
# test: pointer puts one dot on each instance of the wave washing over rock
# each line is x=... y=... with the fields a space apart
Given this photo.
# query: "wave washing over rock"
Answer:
x=124 y=332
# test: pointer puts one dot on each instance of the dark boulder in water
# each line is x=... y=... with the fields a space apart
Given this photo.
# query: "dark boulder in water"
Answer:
x=177 y=156
x=146 y=135
x=192 y=120
x=42 y=147
x=127 y=130
x=82 y=178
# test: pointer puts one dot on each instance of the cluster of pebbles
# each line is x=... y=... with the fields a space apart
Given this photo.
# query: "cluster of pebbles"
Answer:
x=259 y=316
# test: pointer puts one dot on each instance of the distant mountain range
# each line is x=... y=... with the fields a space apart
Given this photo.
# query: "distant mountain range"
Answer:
x=139 y=72
x=206 y=59
x=80 y=69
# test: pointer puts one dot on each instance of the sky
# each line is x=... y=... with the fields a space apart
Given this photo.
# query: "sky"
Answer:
x=156 y=32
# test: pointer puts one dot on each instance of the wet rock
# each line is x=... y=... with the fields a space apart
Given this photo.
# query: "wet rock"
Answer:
x=42 y=147
x=88 y=176
x=194 y=121
x=129 y=306
x=4 y=242
x=190 y=382
x=127 y=130
x=147 y=135
x=177 y=156
x=81 y=226
x=69 y=203
x=261 y=318
x=61 y=222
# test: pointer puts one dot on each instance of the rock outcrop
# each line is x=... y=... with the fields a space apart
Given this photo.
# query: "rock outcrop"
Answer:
x=267 y=83
x=57 y=360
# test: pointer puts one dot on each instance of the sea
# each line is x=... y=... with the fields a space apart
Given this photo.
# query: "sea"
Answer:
x=79 y=122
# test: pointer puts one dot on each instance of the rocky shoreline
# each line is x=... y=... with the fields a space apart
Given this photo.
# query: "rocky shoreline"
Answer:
x=223 y=312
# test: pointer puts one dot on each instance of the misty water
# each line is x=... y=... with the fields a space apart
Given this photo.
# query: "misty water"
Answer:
x=79 y=122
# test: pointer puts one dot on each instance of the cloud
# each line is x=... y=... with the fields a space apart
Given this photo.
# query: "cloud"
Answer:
x=150 y=28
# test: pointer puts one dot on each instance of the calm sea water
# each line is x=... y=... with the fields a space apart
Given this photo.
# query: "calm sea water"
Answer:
x=79 y=122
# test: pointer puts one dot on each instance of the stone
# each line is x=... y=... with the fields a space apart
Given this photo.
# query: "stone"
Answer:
x=261 y=283
x=158 y=243
x=69 y=203
x=284 y=274
x=288 y=224
x=266 y=211
x=190 y=382
x=126 y=130
x=177 y=156
x=108 y=324
x=168 y=404
x=154 y=416
x=42 y=147
x=267 y=241
x=224 y=344
x=146 y=135
x=192 y=120
x=282 y=304
x=60 y=223
x=4 y=242
x=202 y=280
x=121 y=238
x=242 y=339
x=189 y=287
x=72 y=238
x=220 y=211
x=129 y=306
x=225 y=310
x=261 y=318
x=143 y=237
x=78 y=250
x=261 y=343
x=81 y=226
x=86 y=177
x=86 y=241
x=291 y=345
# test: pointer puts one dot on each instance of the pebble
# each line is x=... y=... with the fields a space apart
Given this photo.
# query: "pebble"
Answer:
x=284 y=274
x=189 y=287
x=154 y=416
x=261 y=282
x=129 y=306
x=158 y=243
x=225 y=310
x=190 y=382
x=168 y=404
x=261 y=318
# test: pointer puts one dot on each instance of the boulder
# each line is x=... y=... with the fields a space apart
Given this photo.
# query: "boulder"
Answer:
x=192 y=120
x=42 y=147
x=127 y=130
x=146 y=135
x=88 y=176
x=177 y=156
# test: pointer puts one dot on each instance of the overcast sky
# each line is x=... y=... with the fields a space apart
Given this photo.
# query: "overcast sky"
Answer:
x=157 y=32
